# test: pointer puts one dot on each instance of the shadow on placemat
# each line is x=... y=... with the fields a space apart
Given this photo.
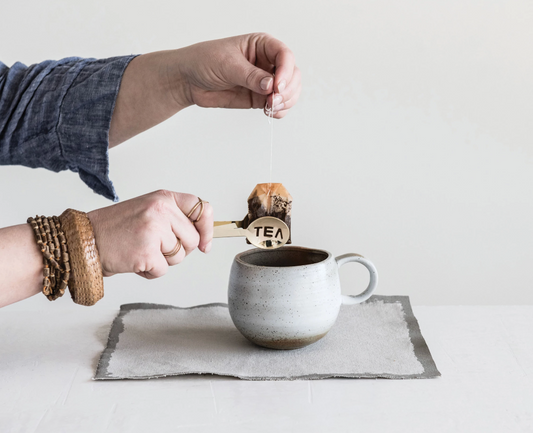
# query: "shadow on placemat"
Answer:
x=379 y=338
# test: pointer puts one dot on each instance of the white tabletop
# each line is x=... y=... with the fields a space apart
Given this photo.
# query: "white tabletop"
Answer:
x=485 y=355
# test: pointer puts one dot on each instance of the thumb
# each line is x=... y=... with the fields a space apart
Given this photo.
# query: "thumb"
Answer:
x=257 y=80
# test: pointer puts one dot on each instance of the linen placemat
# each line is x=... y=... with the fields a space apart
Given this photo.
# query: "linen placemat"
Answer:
x=379 y=338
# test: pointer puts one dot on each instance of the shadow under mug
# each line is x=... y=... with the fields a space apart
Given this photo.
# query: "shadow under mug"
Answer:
x=290 y=297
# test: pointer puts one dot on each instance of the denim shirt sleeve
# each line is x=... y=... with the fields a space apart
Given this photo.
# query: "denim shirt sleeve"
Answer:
x=57 y=114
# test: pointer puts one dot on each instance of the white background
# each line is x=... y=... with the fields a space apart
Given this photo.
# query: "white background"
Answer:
x=412 y=143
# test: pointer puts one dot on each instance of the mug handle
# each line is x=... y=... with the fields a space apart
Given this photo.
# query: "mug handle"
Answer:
x=345 y=258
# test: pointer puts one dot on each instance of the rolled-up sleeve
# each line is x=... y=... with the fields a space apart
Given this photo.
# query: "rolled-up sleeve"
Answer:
x=57 y=114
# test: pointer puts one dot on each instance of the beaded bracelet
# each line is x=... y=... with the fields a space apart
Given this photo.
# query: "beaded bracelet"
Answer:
x=70 y=257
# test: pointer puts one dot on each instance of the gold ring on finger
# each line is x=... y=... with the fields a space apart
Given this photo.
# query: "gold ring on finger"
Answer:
x=201 y=204
x=176 y=249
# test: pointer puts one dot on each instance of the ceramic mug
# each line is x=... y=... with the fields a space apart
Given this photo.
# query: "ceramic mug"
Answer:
x=289 y=297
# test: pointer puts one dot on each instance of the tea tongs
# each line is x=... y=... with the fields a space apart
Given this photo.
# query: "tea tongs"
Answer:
x=265 y=232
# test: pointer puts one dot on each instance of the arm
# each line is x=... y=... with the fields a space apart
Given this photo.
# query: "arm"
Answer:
x=64 y=115
x=130 y=236
x=56 y=115
x=145 y=98
x=235 y=72
x=21 y=264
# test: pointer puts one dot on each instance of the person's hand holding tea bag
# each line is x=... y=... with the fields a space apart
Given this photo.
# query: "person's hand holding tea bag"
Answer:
x=249 y=71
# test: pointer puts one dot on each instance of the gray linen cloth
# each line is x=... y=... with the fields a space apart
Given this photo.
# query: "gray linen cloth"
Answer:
x=379 y=338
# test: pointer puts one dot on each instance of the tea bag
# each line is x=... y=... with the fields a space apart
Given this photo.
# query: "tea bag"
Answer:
x=269 y=199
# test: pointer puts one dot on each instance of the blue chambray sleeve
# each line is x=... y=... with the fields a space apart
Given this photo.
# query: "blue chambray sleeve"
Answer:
x=56 y=115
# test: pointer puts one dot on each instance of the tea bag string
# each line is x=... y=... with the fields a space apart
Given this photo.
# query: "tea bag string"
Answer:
x=270 y=116
x=271 y=122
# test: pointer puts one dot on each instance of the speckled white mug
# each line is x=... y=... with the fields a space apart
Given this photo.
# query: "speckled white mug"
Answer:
x=289 y=297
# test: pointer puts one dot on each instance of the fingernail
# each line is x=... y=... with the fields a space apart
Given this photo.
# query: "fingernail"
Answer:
x=208 y=247
x=279 y=107
x=277 y=100
x=265 y=83
x=281 y=86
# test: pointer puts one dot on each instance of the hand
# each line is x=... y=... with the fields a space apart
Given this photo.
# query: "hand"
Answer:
x=131 y=236
x=236 y=72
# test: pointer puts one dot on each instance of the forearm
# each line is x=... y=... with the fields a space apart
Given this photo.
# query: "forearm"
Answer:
x=21 y=264
x=147 y=95
x=56 y=115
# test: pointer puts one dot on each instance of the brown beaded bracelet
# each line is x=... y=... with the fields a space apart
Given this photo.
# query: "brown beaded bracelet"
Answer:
x=70 y=257
x=53 y=246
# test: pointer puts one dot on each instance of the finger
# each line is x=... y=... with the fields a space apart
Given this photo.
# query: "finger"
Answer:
x=292 y=88
x=243 y=73
x=204 y=226
x=289 y=103
x=284 y=106
x=289 y=91
x=202 y=219
x=283 y=59
x=169 y=244
x=158 y=268
x=239 y=97
x=273 y=100
x=281 y=114
x=184 y=229
x=194 y=235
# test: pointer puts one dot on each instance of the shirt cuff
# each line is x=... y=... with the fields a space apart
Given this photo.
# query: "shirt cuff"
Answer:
x=85 y=118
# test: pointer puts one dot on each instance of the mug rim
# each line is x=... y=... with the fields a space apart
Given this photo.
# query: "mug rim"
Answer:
x=238 y=257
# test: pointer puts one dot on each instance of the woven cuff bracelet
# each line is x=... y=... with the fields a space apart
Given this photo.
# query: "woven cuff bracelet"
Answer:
x=70 y=257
